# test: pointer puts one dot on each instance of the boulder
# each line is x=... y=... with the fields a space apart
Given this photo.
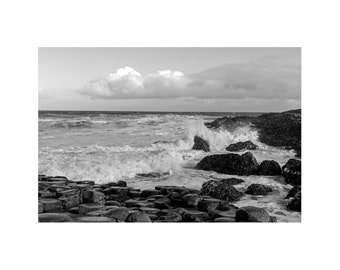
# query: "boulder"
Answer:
x=269 y=167
x=90 y=196
x=200 y=144
x=245 y=164
x=252 y=214
x=70 y=201
x=138 y=217
x=258 y=189
x=248 y=145
x=295 y=203
x=221 y=190
x=293 y=192
x=291 y=171
x=51 y=205
x=119 y=213
x=54 y=217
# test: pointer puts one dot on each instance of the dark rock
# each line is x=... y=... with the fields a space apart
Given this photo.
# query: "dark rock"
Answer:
x=138 y=217
x=295 y=203
x=248 y=145
x=208 y=205
x=231 y=181
x=291 y=171
x=86 y=208
x=48 y=194
x=40 y=208
x=293 y=192
x=252 y=214
x=200 y=144
x=162 y=203
x=258 y=189
x=245 y=164
x=112 y=203
x=221 y=190
x=90 y=196
x=228 y=214
x=191 y=200
x=194 y=216
x=120 y=213
x=224 y=219
x=149 y=192
x=121 y=183
x=171 y=217
x=149 y=210
x=269 y=167
x=134 y=193
x=54 y=217
x=121 y=191
x=273 y=219
x=51 y=205
x=70 y=202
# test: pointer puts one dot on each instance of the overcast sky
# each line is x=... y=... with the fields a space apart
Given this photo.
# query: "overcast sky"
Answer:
x=170 y=79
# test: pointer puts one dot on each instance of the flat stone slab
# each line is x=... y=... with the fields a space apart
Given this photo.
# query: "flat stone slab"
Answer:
x=95 y=219
x=51 y=204
x=54 y=217
x=224 y=219
x=86 y=208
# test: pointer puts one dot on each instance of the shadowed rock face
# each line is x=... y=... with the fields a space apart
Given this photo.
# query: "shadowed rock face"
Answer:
x=275 y=129
x=245 y=164
x=291 y=171
x=269 y=167
x=248 y=145
x=221 y=190
x=252 y=214
x=200 y=144
x=295 y=203
x=258 y=189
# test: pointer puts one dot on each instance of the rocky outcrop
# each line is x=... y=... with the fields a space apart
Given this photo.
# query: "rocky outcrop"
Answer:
x=221 y=190
x=239 y=146
x=275 y=129
x=258 y=189
x=269 y=167
x=245 y=164
x=295 y=203
x=200 y=144
x=293 y=192
x=291 y=171
x=252 y=214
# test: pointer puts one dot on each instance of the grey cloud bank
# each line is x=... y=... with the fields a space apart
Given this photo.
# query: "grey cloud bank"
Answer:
x=265 y=78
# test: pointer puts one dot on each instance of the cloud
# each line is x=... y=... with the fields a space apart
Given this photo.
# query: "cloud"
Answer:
x=266 y=78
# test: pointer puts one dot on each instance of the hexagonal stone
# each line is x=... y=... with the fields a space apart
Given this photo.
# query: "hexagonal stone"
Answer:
x=208 y=205
x=54 y=217
x=138 y=217
x=51 y=204
x=95 y=219
x=90 y=207
x=191 y=200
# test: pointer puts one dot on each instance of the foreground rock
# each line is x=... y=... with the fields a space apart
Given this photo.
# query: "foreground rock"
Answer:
x=291 y=171
x=222 y=190
x=245 y=164
x=252 y=214
x=269 y=167
x=239 y=146
x=258 y=189
x=295 y=203
x=54 y=217
x=200 y=144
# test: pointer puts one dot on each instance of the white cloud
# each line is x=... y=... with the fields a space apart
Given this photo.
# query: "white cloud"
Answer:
x=267 y=78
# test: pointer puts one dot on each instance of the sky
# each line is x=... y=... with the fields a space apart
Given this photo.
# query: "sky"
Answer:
x=170 y=79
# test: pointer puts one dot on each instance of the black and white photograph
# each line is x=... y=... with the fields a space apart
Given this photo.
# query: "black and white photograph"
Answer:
x=169 y=134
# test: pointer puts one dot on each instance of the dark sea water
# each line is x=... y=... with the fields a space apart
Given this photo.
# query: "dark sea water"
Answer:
x=111 y=146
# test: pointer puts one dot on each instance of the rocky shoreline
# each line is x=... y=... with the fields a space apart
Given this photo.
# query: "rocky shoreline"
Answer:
x=63 y=200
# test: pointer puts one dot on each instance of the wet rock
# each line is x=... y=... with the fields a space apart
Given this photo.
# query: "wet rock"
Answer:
x=51 y=205
x=90 y=196
x=208 y=205
x=194 y=216
x=171 y=217
x=269 y=167
x=74 y=210
x=86 y=208
x=245 y=164
x=295 y=203
x=40 y=207
x=221 y=190
x=138 y=217
x=228 y=214
x=239 y=146
x=291 y=171
x=200 y=144
x=162 y=203
x=149 y=192
x=231 y=181
x=252 y=214
x=120 y=213
x=293 y=192
x=149 y=210
x=95 y=219
x=54 y=217
x=191 y=200
x=121 y=183
x=258 y=189
x=70 y=202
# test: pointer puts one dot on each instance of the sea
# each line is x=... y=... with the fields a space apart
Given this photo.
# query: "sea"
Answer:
x=147 y=149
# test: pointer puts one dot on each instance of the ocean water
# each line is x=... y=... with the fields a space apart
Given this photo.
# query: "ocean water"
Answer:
x=111 y=146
